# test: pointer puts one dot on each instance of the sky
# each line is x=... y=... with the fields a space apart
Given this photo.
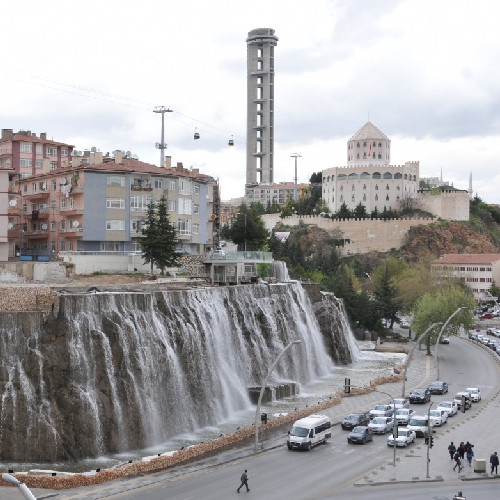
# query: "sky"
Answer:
x=425 y=72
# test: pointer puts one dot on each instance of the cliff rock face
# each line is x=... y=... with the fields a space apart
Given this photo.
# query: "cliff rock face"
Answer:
x=451 y=237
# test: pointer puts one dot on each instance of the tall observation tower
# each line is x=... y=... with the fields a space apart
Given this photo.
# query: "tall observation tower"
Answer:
x=260 y=105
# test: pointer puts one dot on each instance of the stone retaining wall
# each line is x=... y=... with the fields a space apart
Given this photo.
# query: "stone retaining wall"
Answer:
x=27 y=298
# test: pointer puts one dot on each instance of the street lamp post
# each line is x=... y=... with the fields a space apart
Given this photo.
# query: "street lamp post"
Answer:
x=436 y=364
x=429 y=435
x=295 y=155
x=263 y=387
x=411 y=353
x=22 y=487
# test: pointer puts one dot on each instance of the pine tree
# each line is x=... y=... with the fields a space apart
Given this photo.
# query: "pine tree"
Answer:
x=160 y=238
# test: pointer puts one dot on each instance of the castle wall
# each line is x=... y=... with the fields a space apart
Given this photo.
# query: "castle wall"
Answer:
x=448 y=205
x=360 y=236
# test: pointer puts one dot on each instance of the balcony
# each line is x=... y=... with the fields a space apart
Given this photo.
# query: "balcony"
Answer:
x=37 y=196
x=67 y=211
x=36 y=235
x=76 y=232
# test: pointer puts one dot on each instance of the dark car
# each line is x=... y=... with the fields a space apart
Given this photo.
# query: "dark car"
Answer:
x=438 y=387
x=360 y=434
x=420 y=396
x=354 y=419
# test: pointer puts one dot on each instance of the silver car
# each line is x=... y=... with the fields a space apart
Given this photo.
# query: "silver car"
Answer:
x=403 y=415
x=449 y=407
x=380 y=425
x=381 y=411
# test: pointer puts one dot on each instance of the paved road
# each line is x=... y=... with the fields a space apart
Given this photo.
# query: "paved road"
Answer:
x=365 y=466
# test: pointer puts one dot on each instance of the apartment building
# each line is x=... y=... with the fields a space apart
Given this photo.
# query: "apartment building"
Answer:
x=272 y=193
x=99 y=203
x=478 y=271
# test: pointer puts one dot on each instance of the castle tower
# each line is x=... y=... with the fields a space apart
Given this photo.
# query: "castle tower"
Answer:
x=260 y=106
x=369 y=146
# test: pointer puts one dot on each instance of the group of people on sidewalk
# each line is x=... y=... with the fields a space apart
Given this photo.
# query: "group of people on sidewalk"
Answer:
x=458 y=454
x=466 y=450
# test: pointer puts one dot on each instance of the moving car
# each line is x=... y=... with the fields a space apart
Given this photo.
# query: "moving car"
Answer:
x=405 y=437
x=420 y=425
x=487 y=316
x=354 y=419
x=444 y=340
x=401 y=403
x=403 y=415
x=458 y=399
x=438 y=387
x=475 y=394
x=360 y=434
x=380 y=425
x=420 y=396
x=310 y=431
x=438 y=417
x=381 y=411
x=449 y=407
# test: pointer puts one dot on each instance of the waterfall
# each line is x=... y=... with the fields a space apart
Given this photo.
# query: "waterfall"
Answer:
x=279 y=271
x=115 y=372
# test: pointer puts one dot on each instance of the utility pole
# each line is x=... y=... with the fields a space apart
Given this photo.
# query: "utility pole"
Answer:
x=295 y=155
x=161 y=145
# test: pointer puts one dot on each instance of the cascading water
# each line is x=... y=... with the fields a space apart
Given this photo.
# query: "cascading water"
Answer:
x=116 y=372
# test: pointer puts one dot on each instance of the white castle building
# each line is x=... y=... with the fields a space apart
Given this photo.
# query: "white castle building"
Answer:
x=369 y=178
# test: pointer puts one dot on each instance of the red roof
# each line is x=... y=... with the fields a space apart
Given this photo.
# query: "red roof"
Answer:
x=468 y=258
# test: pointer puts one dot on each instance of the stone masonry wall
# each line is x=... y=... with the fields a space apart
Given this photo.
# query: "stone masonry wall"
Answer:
x=27 y=298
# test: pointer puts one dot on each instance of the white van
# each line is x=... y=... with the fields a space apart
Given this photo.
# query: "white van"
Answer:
x=420 y=425
x=308 y=432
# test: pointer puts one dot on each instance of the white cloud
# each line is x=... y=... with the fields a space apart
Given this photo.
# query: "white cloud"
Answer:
x=425 y=72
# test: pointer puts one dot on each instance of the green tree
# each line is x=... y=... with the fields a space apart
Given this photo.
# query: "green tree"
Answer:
x=248 y=230
x=159 y=240
x=343 y=212
x=387 y=303
x=360 y=211
x=438 y=306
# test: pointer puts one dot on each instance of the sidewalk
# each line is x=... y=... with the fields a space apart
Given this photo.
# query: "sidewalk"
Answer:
x=411 y=463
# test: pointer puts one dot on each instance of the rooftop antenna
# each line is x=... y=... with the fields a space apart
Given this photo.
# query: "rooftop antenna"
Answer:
x=161 y=145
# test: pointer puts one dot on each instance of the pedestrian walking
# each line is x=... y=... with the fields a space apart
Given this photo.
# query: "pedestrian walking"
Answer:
x=244 y=481
x=458 y=462
x=451 y=450
x=469 y=453
x=494 y=462
x=461 y=450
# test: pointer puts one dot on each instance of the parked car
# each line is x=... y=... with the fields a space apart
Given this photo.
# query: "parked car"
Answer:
x=438 y=417
x=380 y=425
x=404 y=324
x=381 y=411
x=218 y=254
x=438 y=387
x=405 y=437
x=458 y=399
x=420 y=396
x=449 y=407
x=354 y=419
x=475 y=394
x=403 y=415
x=472 y=335
x=360 y=434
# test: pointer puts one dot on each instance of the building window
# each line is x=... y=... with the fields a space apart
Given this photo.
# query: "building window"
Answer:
x=63 y=202
x=115 y=181
x=115 y=203
x=38 y=163
x=64 y=152
x=364 y=197
x=50 y=151
x=171 y=186
x=196 y=209
x=387 y=198
x=376 y=197
x=26 y=162
x=39 y=149
x=184 y=227
x=53 y=165
x=54 y=185
x=158 y=184
x=184 y=206
x=139 y=203
x=172 y=206
x=352 y=198
x=115 y=225
x=376 y=187
x=33 y=187
x=26 y=147
x=357 y=145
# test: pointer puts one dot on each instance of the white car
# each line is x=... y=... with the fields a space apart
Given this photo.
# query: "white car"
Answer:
x=405 y=437
x=439 y=417
x=420 y=424
x=380 y=425
x=475 y=394
x=381 y=411
x=403 y=415
x=450 y=407
x=400 y=403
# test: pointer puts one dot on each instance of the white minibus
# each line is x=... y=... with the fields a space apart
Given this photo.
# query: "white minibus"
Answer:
x=308 y=432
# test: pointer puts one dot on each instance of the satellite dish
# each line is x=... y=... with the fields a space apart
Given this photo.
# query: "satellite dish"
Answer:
x=44 y=227
x=63 y=180
x=76 y=223
x=10 y=225
x=13 y=203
